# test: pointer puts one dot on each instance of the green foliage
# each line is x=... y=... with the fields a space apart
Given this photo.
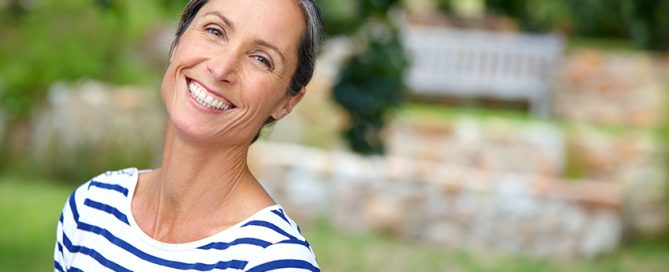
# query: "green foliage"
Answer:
x=340 y=17
x=371 y=80
x=46 y=44
x=444 y=5
x=69 y=40
x=535 y=16
x=648 y=23
x=597 y=18
x=345 y=17
x=370 y=86
x=643 y=21
x=377 y=8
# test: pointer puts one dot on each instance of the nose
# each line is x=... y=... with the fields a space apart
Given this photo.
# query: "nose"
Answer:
x=224 y=66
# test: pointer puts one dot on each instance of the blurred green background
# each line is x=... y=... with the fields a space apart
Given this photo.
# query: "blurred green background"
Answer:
x=49 y=48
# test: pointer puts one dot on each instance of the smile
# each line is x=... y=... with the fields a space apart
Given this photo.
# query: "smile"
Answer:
x=206 y=99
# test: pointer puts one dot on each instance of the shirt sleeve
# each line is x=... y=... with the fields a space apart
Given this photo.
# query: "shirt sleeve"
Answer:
x=58 y=258
x=284 y=257
x=61 y=255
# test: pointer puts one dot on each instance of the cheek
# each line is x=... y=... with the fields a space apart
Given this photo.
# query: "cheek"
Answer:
x=187 y=52
x=182 y=57
x=269 y=93
x=168 y=83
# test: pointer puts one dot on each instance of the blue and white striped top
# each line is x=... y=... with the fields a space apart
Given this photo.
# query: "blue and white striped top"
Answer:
x=96 y=232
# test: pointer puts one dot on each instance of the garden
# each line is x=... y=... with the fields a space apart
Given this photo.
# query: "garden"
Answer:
x=491 y=185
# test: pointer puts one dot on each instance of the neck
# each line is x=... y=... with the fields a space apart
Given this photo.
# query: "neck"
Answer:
x=197 y=185
x=193 y=173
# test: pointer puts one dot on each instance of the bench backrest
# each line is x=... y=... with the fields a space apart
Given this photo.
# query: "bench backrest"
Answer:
x=477 y=63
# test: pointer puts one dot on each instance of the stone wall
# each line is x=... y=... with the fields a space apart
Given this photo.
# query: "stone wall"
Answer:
x=442 y=204
x=481 y=185
x=612 y=88
x=88 y=127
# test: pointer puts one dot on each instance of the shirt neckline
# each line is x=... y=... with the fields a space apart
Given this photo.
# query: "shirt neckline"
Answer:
x=135 y=229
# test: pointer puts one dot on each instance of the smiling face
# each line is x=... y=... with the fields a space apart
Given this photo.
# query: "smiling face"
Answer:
x=231 y=69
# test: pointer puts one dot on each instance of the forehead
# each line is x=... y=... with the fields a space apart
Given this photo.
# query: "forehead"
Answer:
x=279 y=22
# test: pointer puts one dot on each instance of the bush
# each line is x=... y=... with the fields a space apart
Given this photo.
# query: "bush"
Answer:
x=371 y=86
x=370 y=83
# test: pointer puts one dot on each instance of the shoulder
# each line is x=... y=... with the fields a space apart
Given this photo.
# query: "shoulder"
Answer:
x=123 y=178
x=119 y=181
x=272 y=224
x=286 y=248
x=110 y=185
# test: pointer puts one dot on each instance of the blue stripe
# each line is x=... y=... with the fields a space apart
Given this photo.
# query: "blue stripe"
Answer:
x=295 y=241
x=57 y=266
x=60 y=247
x=74 y=269
x=73 y=207
x=240 y=241
x=279 y=264
x=61 y=218
x=113 y=187
x=235 y=264
x=94 y=254
x=269 y=226
x=281 y=214
x=108 y=209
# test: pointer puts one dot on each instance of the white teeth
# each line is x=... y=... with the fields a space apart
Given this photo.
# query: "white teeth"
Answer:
x=206 y=100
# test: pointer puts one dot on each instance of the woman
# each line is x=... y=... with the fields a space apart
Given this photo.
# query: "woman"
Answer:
x=234 y=67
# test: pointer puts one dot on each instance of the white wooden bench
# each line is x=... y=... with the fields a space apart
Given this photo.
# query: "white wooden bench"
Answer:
x=480 y=64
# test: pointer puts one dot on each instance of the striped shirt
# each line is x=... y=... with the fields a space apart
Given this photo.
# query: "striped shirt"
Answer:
x=96 y=232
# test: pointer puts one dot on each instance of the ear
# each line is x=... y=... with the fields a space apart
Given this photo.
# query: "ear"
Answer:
x=287 y=105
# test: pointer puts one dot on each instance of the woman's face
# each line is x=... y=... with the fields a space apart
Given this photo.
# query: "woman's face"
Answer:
x=231 y=69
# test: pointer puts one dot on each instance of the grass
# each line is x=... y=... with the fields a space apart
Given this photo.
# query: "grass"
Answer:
x=445 y=116
x=29 y=209
x=337 y=251
x=436 y=114
x=607 y=45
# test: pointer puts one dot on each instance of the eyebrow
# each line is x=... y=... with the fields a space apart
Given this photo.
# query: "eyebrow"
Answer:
x=264 y=43
x=223 y=18
x=259 y=42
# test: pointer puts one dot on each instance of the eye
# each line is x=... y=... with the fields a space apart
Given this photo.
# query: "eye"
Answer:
x=265 y=61
x=215 y=31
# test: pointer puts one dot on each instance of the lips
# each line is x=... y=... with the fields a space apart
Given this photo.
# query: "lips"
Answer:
x=206 y=98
